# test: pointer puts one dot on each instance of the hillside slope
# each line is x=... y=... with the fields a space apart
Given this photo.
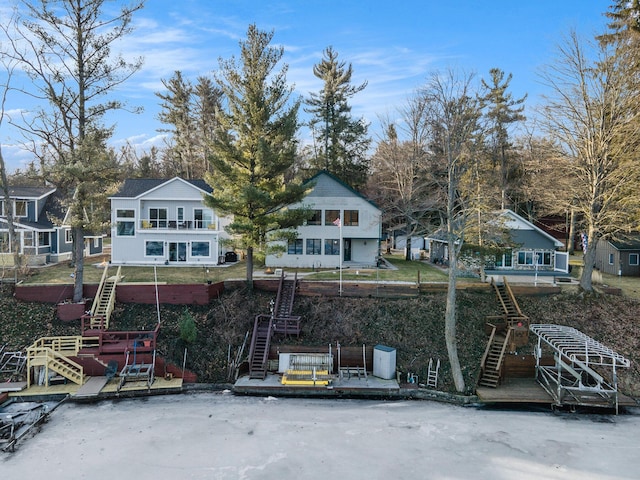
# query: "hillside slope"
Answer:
x=413 y=326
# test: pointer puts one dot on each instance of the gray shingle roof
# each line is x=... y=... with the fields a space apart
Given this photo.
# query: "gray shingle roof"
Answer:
x=133 y=187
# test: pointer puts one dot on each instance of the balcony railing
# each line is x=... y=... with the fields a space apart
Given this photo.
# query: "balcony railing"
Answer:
x=149 y=224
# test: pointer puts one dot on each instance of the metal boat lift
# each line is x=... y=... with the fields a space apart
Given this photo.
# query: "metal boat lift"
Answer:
x=137 y=372
x=573 y=379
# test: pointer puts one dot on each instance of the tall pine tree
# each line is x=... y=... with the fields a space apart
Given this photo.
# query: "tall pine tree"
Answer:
x=255 y=146
x=341 y=141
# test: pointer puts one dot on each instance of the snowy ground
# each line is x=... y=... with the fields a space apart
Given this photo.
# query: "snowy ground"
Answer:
x=216 y=436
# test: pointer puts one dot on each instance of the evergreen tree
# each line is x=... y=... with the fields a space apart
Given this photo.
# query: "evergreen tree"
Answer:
x=207 y=103
x=501 y=111
x=176 y=112
x=341 y=142
x=255 y=146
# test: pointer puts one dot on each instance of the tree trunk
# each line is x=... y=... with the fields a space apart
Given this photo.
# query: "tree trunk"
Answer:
x=250 y=268
x=407 y=248
x=450 y=321
x=14 y=244
x=78 y=271
x=589 y=262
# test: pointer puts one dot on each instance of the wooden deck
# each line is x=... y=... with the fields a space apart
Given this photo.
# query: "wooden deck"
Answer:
x=528 y=390
x=108 y=390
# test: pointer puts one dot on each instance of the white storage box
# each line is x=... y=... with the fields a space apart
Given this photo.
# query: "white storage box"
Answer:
x=384 y=362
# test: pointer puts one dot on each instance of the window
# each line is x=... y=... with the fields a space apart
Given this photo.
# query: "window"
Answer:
x=180 y=214
x=633 y=259
x=294 y=247
x=332 y=246
x=2 y=207
x=539 y=258
x=5 y=246
x=351 y=218
x=20 y=208
x=125 y=223
x=28 y=239
x=154 y=248
x=68 y=235
x=314 y=246
x=202 y=217
x=158 y=217
x=200 y=249
x=525 y=258
x=331 y=216
x=611 y=259
x=316 y=218
x=44 y=239
x=96 y=242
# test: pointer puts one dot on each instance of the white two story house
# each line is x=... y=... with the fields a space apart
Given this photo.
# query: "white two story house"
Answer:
x=160 y=221
x=345 y=229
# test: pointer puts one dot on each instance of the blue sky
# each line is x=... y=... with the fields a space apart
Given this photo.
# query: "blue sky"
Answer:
x=394 y=46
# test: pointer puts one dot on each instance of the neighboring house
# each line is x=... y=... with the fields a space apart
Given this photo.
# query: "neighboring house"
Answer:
x=165 y=221
x=619 y=257
x=44 y=236
x=321 y=240
x=528 y=247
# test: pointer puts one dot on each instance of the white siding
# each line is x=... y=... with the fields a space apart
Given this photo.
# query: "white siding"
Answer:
x=329 y=194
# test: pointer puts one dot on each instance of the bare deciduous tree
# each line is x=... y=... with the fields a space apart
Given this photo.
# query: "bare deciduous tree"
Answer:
x=592 y=115
x=453 y=114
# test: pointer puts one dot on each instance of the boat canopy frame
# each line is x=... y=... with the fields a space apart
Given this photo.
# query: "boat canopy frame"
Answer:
x=573 y=379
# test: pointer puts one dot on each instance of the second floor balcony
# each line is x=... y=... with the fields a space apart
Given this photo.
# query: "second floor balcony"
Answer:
x=162 y=224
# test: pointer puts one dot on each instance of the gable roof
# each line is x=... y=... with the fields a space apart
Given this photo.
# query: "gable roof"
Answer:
x=520 y=224
x=522 y=231
x=135 y=187
x=335 y=179
x=628 y=242
x=30 y=193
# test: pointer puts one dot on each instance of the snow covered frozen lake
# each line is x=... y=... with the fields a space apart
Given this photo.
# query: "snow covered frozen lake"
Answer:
x=220 y=436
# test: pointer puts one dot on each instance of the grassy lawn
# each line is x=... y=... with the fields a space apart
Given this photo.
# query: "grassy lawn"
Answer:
x=94 y=267
x=406 y=272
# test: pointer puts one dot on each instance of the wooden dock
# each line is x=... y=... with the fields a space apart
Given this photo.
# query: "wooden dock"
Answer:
x=528 y=391
x=91 y=388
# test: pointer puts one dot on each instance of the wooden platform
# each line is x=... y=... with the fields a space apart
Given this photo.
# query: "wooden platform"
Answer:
x=109 y=390
x=91 y=387
x=528 y=390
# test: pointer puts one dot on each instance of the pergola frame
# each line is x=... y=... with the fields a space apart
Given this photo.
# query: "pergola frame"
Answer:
x=572 y=380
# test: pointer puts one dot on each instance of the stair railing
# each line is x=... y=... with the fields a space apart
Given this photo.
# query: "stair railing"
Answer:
x=486 y=350
x=96 y=301
x=504 y=348
x=513 y=298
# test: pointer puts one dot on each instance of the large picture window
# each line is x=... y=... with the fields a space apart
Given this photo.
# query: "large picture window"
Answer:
x=331 y=216
x=154 y=248
x=351 y=218
x=125 y=223
x=314 y=246
x=200 y=249
x=294 y=247
x=332 y=246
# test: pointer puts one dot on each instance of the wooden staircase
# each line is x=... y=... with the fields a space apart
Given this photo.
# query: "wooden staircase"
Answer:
x=284 y=322
x=260 y=343
x=53 y=354
x=104 y=302
x=511 y=310
x=493 y=359
x=508 y=331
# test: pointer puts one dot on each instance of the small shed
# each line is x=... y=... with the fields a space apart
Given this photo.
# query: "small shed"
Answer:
x=619 y=257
